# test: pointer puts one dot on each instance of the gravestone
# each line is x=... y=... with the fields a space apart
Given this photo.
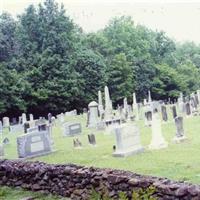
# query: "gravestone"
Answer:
x=24 y=119
x=188 y=109
x=33 y=145
x=174 y=113
x=101 y=126
x=71 y=129
x=31 y=118
x=93 y=114
x=180 y=136
x=148 y=118
x=16 y=128
x=6 y=141
x=135 y=107
x=164 y=113
x=77 y=143
x=100 y=104
x=32 y=130
x=42 y=127
x=26 y=126
x=92 y=139
x=108 y=104
x=127 y=140
x=6 y=122
x=1 y=127
x=14 y=121
x=49 y=118
x=157 y=140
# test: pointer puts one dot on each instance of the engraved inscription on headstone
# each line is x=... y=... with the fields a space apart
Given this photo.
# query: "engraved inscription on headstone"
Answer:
x=71 y=129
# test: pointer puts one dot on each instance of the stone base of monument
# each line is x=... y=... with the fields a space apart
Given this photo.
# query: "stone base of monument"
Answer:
x=37 y=155
x=179 y=139
x=158 y=146
x=128 y=152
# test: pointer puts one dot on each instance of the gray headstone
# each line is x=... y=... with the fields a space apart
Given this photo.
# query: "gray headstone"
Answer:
x=179 y=126
x=26 y=126
x=127 y=140
x=164 y=113
x=33 y=144
x=187 y=108
x=174 y=113
x=6 y=122
x=92 y=139
x=71 y=129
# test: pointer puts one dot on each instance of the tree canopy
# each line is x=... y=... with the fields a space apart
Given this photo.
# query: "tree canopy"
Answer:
x=48 y=64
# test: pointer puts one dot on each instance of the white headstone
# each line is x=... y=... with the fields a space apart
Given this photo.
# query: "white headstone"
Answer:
x=108 y=104
x=100 y=104
x=6 y=122
x=23 y=118
x=93 y=114
x=157 y=140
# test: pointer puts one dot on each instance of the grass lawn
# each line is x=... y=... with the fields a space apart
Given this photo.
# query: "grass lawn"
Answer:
x=177 y=162
x=7 y=193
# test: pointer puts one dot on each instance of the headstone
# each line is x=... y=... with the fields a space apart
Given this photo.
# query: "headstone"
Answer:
x=6 y=141
x=149 y=97
x=49 y=118
x=1 y=127
x=93 y=114
x=71 y=129
x=188 y=109
x=148 y=118
x=180 y=136
x=174 y=113
x=16 y=128
x=14 y=120
x=157 y=140
x=108 y=104
x=31 y=118
x=100 y=104
x=24 y=118
x=32 y=130
x=6 y=122
x=77 y=143
x=92 y=139
x=26 y=126
x=20 y=119
x=33 y=145
x=164 y=113
x=42 y=127
x=127 y=140
x=135 y=107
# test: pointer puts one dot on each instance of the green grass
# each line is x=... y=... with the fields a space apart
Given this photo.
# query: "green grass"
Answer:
x=177 y=162
x=7 y=193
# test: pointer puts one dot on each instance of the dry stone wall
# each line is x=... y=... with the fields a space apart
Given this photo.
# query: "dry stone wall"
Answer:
x=77 y=182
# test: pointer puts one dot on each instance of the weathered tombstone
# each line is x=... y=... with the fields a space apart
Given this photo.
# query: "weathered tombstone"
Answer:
x=1 y=151
x=33 y=145
x=101 y=126
x=93 y=114
x=174 y=113
x=108 y=104
x=127 y=140
x=77 y=143
x=49 y=118
x=188 y=109
x=42 y=127
x=149 y=97
x=6 y=141
x=180 y=136
x=92 y=139
x=1 y=127
x=164 y=113
x=32 y=130
x=6 y=122
x=157 y=140
x=148 y=118
x=31 y=118
x=24 y=118
x=71 y=129
x=26 y=126
x=16 y=128
x=14 y=120
x=135 y=107
x=100 y=104
x=20 y=119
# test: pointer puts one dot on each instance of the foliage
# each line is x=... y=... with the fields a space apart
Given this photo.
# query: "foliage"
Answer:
x=48 y=64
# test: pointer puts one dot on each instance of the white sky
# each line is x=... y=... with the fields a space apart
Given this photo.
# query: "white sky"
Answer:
x=179 y=19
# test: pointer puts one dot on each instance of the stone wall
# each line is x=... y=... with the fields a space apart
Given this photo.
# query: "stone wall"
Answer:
x=77 y=182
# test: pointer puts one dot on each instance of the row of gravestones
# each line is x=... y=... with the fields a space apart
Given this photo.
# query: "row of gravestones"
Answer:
x=128 y=137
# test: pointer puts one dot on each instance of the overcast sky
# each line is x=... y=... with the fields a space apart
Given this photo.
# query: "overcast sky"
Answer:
x=180 y=19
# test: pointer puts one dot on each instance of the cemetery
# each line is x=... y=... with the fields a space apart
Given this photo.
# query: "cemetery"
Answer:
x=107 y=113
